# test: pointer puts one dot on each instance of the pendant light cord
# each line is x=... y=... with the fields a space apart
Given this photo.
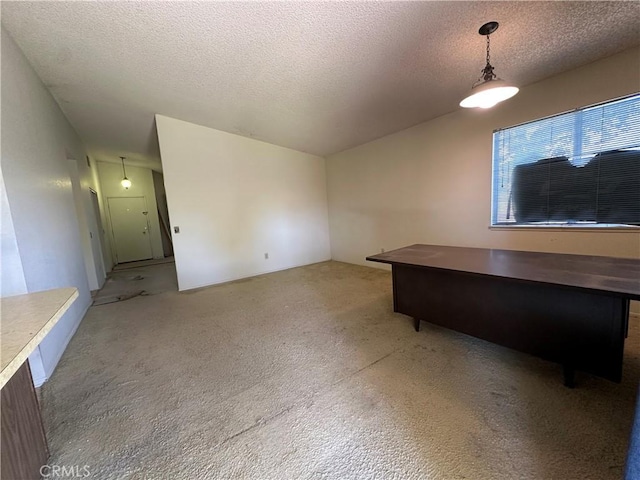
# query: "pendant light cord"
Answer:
x=123 y=169
x=487 y=71
x=488 y=49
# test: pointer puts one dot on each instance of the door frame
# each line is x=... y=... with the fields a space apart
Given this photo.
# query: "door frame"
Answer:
x=100 y=233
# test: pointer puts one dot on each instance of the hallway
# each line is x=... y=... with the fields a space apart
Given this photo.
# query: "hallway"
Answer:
x=128 y=280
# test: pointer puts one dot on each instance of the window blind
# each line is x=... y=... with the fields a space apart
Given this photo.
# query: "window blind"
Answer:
x=580 y=167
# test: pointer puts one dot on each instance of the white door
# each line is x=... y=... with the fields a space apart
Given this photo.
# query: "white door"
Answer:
x=130 y=228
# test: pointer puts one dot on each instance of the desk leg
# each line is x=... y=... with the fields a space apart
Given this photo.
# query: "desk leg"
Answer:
x=416 y=324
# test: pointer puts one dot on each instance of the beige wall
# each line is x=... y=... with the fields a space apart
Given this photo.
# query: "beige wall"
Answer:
x=235 y=199
x=141 y=186
x=432 y=183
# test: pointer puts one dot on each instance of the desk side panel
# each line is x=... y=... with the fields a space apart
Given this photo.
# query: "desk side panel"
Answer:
x=575 y=328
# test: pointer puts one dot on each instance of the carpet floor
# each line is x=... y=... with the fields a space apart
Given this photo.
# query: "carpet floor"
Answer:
x=307 y=373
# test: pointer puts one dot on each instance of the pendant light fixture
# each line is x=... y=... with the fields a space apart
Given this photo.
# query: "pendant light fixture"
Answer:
x=126 y=183
x=489 y=90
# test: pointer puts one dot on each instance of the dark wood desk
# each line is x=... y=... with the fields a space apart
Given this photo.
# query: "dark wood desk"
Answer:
x=570 y=309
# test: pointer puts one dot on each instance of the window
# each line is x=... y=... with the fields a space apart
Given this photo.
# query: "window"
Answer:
x=576 y=168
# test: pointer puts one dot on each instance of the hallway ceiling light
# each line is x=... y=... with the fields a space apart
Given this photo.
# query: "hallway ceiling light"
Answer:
x=489 y=90
x=126 y=183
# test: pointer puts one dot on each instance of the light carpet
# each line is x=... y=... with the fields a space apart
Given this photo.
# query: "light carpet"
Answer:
x=307 y=373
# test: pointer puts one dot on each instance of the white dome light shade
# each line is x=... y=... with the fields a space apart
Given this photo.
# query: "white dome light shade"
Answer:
x=488 y=94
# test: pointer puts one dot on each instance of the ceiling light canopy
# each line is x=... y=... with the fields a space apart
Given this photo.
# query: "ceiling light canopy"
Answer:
x=489 y=90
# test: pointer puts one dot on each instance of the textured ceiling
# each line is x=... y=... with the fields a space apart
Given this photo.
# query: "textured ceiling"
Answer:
x=316 y=77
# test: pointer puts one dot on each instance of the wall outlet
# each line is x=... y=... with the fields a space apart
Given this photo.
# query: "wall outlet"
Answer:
x=176 y=229
x=266 y=256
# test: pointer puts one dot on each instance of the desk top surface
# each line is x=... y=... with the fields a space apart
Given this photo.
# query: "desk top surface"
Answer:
x=619 y=276
x=25 y=321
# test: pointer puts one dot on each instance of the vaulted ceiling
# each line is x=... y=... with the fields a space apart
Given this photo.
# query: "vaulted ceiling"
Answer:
x=318 y=77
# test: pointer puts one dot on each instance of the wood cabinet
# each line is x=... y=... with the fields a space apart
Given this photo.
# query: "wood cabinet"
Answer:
x=24 y=446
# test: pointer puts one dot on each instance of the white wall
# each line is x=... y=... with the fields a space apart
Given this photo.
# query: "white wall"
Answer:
x=432 y=183
x=12 y=280
x=36 y=142
x=141 y=186
x=236 y=199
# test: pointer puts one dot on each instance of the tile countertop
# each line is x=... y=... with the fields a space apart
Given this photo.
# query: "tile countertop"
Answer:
x=24 y=322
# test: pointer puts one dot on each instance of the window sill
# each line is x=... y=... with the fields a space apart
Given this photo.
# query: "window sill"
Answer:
x=581 y=228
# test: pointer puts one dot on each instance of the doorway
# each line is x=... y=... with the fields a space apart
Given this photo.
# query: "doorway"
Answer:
x=87 y=224
x=130 y=228
x=97 y=240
